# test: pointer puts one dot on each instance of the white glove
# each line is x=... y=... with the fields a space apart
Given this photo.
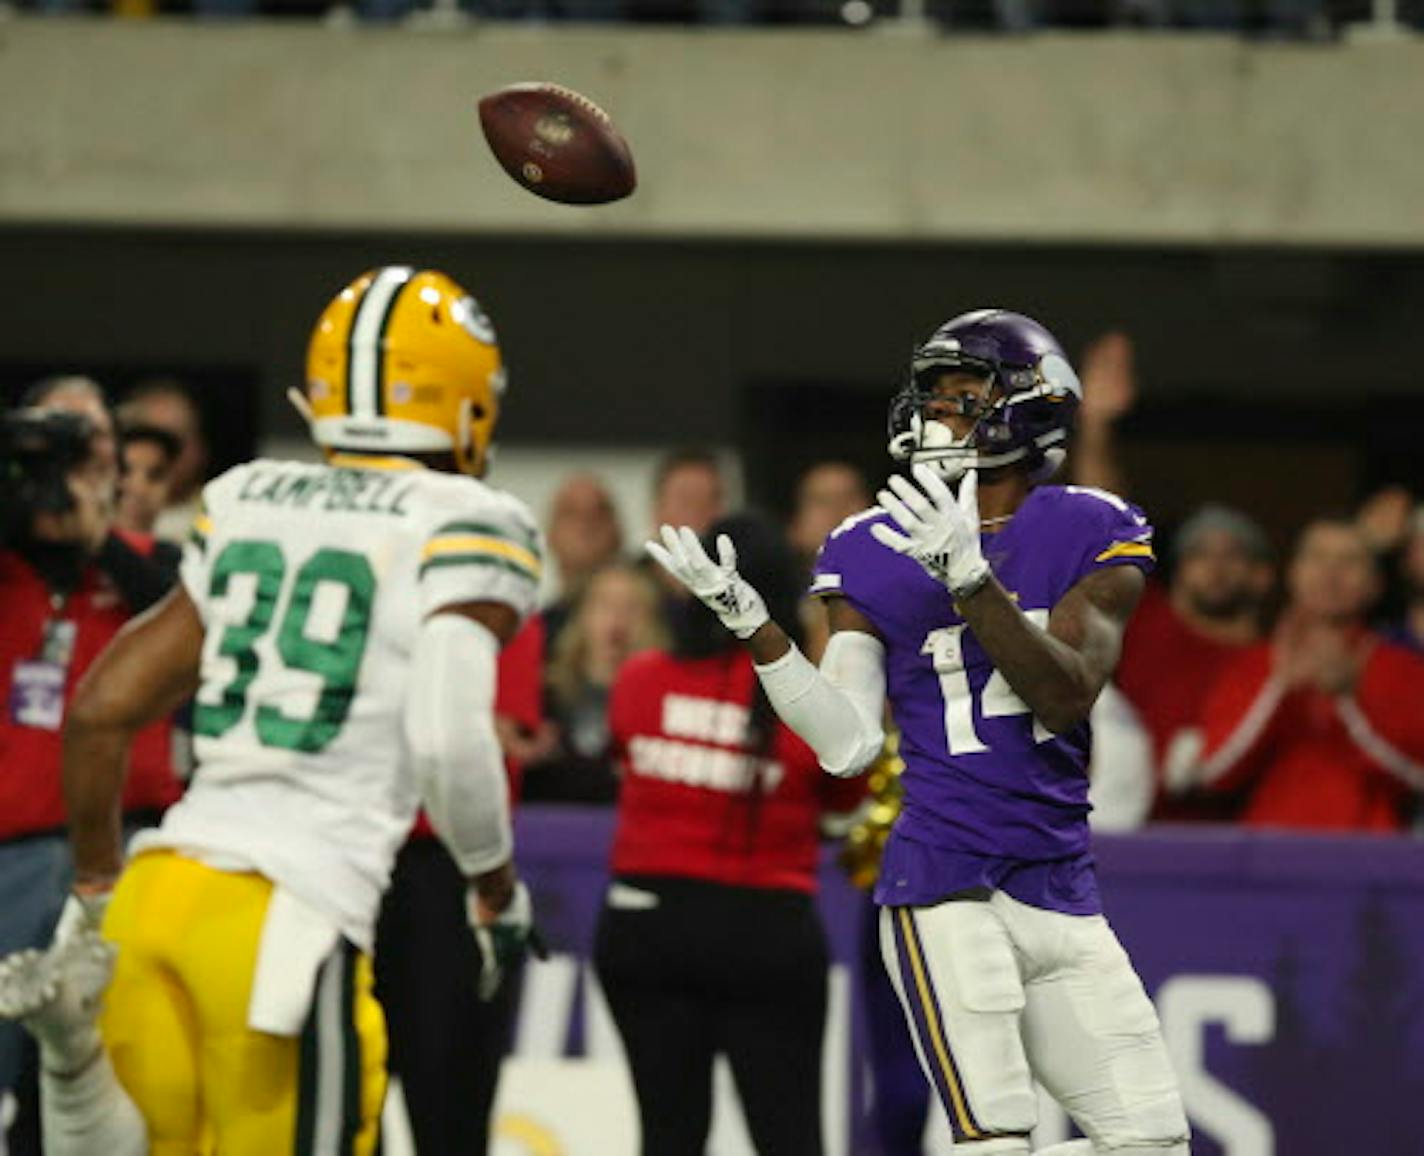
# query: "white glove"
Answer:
x=718 y=584
x=57 y=995
x=503 y=940
x=941 y=531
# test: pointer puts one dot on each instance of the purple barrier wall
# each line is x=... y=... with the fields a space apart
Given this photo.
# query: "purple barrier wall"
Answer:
x=1289 y=971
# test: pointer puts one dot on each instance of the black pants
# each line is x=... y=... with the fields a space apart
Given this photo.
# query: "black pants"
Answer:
x=445 y=1045
x=712 y=969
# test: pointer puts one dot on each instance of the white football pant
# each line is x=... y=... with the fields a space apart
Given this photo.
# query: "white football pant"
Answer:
x=998 y=993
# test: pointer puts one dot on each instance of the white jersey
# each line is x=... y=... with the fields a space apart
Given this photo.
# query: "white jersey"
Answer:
x=312 y=582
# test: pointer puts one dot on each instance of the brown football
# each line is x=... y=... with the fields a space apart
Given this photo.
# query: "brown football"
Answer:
x=557 y=144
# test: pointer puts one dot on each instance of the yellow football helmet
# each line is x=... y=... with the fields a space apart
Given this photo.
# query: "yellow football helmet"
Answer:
x=404 y=361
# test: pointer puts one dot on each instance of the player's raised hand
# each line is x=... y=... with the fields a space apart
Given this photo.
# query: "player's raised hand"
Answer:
x=940 y=530
x=717 y=584
x=1109 y=378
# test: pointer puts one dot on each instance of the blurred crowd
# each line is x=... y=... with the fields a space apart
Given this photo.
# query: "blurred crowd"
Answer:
x=1307 y=19
x=1273 y=691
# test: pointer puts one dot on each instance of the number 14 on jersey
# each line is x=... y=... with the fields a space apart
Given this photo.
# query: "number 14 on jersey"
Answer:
x=945 y=648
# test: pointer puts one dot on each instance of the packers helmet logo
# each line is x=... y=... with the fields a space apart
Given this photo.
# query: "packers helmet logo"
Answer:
x=472 y=318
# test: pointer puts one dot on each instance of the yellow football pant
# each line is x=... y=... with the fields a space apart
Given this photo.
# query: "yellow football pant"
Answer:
x=175 y=1023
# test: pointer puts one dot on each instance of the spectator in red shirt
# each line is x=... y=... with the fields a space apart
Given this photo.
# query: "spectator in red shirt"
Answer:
x=1321 y=726
x=710 y=942
x=68 y=582
x=1181 y=638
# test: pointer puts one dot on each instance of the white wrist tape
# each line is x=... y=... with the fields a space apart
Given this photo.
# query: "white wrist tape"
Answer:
x=837 y=710
x=455 y=752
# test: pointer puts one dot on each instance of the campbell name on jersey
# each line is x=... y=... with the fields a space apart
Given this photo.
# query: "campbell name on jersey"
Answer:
x=989 y=791
x=312 y=582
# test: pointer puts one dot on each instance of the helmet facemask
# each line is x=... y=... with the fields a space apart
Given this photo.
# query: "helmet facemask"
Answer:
x=476 y=424
x=1021 y=417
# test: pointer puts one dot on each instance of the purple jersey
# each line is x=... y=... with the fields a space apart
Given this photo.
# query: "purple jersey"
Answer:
x=992 y=799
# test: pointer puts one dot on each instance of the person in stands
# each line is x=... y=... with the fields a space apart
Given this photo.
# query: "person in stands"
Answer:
x=710 y=936
x=1320 y=727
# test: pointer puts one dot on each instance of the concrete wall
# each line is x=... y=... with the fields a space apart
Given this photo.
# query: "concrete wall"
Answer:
x=751 y=133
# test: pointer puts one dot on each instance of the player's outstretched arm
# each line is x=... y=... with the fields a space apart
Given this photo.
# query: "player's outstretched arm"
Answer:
x=144 y=674
x=459 y=766
x=836 y=709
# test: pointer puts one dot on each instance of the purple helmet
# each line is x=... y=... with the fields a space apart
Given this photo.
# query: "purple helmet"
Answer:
x=1031 y=405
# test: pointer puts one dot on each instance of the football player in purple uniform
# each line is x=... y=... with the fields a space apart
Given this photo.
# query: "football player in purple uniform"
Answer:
x=990 y=618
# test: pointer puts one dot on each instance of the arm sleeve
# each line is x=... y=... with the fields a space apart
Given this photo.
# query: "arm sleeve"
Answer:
x=1238 y=720
x=838 y=709
x=455 y=753
x=491 y=554
x=1382 y=717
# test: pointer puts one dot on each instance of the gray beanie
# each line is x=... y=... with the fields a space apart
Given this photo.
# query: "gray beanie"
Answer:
x=1213 y=518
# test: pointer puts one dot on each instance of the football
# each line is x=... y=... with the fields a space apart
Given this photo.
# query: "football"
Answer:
x=558 y=144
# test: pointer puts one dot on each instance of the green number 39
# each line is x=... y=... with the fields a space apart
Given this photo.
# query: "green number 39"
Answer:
x=336 y=662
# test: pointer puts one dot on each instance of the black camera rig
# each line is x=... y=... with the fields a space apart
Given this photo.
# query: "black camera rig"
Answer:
x=38 y=450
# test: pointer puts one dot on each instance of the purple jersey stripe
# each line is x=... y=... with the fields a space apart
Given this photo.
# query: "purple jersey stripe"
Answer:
x=929 y=1026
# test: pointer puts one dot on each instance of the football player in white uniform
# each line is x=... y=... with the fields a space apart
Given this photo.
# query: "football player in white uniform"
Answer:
x=339 y=624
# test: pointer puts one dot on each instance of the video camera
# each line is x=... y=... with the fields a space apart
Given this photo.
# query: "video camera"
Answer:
x=38 y=450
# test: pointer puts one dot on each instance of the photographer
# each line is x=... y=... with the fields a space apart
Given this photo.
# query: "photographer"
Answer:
x=68 y=583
